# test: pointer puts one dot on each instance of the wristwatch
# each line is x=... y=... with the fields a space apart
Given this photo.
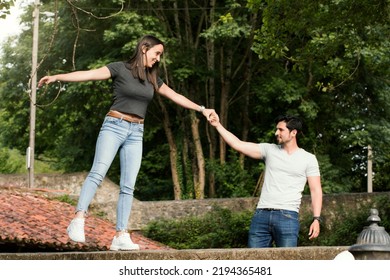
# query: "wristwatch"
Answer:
x=318 y=218
x=201 y=108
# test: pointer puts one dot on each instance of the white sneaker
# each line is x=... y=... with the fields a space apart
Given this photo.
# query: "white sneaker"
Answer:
x=124 y=243
x=76 y=230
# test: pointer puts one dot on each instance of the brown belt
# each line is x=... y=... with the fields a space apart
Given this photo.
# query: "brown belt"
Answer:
x=126 y=117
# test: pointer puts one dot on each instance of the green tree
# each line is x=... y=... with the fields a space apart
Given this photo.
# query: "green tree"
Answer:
x=5 y=7
x=328 y=71
x=251 y=60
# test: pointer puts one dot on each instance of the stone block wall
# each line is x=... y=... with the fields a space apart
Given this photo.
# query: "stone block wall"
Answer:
x=145 y=211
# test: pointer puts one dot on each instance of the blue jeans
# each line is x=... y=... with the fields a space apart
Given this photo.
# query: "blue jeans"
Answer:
x=115 y=134
x=279 y=226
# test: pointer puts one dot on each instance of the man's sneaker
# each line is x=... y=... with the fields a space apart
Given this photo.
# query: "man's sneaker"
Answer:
x=76 y=230
x=123 y=243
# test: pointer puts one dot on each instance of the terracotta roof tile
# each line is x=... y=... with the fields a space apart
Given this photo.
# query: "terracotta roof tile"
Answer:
x=38 y=223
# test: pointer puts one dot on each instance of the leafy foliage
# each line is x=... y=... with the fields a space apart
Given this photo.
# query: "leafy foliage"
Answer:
x=288 y=55
x=66 y=199
x=232 y=180
x=220 y=228
x=326 y=73
x=347 y=225
x=8 y=163
x=5 y=7
x=12 y=162
x=149 y=188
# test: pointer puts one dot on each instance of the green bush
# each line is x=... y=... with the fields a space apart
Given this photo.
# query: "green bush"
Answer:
x=10 y=161
x=13 y=162
x=222 y=228
x=231 y=180
x=346 y=226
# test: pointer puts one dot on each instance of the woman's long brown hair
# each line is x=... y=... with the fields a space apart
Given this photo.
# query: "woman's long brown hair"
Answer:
x=136 y=63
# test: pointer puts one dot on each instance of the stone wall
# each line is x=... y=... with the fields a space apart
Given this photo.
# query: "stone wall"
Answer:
x=296 y=253
x=146 y=211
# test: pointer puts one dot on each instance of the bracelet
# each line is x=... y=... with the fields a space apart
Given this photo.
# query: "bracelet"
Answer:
x=201 y=108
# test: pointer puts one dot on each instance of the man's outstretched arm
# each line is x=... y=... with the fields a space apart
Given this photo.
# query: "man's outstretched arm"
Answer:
x=247 y=148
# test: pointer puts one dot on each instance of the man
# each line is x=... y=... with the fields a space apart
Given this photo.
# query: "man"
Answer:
x=288 y=168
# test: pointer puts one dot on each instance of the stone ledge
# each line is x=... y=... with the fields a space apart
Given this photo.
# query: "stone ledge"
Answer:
x=298 y=253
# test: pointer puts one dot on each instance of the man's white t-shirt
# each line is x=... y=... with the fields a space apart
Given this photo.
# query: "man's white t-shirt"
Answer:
x=285 y=176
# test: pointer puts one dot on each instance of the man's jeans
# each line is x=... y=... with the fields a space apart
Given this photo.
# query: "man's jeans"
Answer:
x=268 y=225
x=115 y=134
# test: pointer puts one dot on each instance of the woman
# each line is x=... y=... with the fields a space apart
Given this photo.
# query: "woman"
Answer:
x=134 y=84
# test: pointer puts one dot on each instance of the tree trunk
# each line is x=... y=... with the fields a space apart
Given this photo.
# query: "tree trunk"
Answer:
x=210 y=92
x=245 y=115
x=226 y=72
x=199 y=180
x=172 y=150
x=186 y=32
x=247 y=81
x=199 y=175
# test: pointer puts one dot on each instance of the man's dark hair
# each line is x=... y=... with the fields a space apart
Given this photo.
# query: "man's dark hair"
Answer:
x=292 y=122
